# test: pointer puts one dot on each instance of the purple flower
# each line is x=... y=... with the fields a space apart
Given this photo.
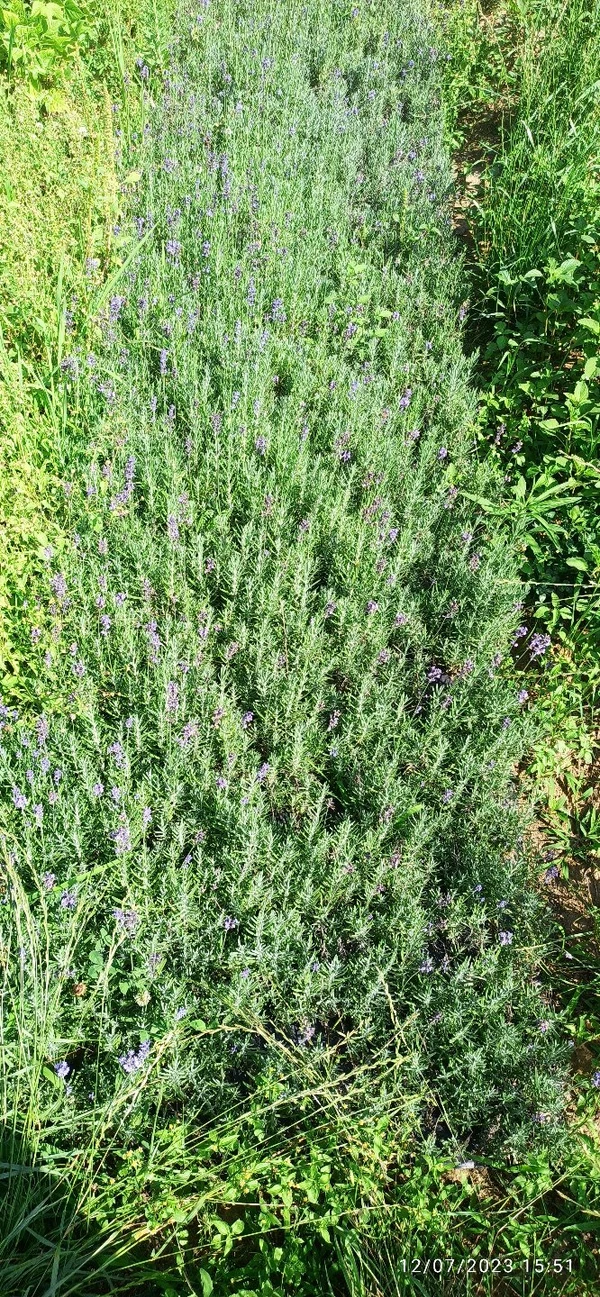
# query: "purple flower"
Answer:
x=78 y=669
x=115 y=750
x=305 y=1036
x=42 y=730
x=98 y=789
x=330 y=608
x=372 y=606
x=539 y=644
x=505 y=938
x=132 y=1061
x=153 y=641
x=120 y=598
x=229 y=924
x=261 y=445
x=427 y=966
x=262 y=773
x=105 y=621
x=405 y=399
x=383 y=657
x=38 y=811
x=189 y=732
x=475 y=562
x=68 y=899
x=231 y=650
x=551 y=874
x=172 y=528
x=247 y=719
x=146 y=816
x=221 y=783
x=48 y=880
x=172 y=702
x=115 y=794
x=128 y=919
x=447 y=796
x=115 y=307
x=180 y=1013
x=522 y=696
x=173 y=248
x=19 y=799
x=596 y=1079
x=59 y=585
x=62 y=1070
x=164 y=356
x=122 y=839
x=277 y=310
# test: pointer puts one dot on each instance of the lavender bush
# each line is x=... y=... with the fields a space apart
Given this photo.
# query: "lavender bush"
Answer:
x=272 y=787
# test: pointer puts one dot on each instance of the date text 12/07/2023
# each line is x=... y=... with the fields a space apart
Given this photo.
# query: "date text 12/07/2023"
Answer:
x=484 y=1265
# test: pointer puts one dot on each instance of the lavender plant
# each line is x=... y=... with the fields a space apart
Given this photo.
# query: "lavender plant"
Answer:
x=271 y=795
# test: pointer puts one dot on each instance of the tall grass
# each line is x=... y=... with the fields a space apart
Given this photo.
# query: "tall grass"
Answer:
x=532 y=120
x=547 y=174
x=61 y=101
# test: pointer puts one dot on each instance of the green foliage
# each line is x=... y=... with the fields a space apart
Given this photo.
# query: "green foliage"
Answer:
x=40 y=38
x=59 y=202
x=267 y=895
x=535 y=314
x=312 y=565
x=272 y=960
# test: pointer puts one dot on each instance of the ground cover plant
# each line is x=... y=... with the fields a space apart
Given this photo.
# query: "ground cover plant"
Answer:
x=272 y=956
